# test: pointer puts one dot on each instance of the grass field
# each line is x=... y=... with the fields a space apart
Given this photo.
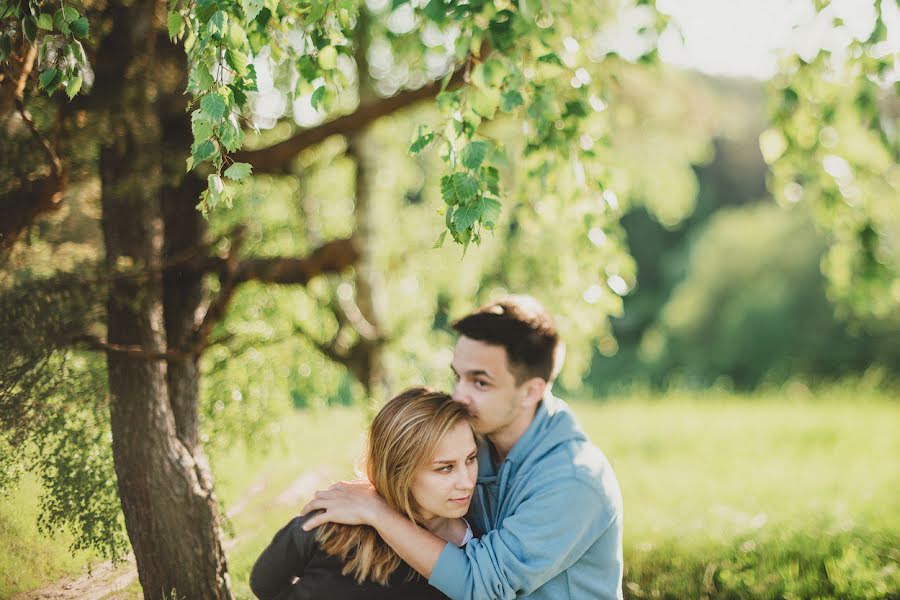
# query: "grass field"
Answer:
x=787 y=494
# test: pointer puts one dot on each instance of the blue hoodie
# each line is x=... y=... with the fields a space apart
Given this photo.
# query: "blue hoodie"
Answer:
x=551 y=517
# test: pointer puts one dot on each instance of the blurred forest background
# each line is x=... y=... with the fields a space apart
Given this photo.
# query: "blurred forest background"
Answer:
x=744 y=394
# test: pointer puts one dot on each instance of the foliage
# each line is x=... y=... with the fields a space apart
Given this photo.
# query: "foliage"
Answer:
x=516 y=57
x=752 y=308
x=57 y=29
x=834 y=143
x=53 y=410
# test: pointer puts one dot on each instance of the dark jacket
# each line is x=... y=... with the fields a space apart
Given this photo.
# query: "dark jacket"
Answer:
x=296 y=553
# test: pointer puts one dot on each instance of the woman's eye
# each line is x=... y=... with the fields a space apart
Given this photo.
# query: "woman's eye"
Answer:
x=445 y=469
x=480 y=383
x=470 y=460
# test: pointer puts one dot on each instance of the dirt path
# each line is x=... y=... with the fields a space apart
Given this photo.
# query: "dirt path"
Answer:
x=109 y=582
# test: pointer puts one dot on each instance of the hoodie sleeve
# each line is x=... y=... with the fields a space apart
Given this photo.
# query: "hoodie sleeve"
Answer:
x=548 y=532
x=284 y=559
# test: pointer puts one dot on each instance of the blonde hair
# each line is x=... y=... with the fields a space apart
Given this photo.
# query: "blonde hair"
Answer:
x=404 y=434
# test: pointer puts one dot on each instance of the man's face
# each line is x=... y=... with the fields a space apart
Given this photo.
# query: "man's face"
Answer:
x=486 y=386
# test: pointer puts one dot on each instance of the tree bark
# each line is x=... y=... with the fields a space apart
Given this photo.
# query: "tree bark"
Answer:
x=170 y=513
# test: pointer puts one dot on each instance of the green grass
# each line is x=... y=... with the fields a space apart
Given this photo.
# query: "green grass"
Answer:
x=784 y=494
x=776 y=495
x=27 y=557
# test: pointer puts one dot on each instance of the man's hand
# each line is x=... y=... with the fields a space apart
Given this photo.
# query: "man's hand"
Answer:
x=346 y=502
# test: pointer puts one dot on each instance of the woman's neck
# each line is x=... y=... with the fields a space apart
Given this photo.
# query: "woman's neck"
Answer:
x=448 y=529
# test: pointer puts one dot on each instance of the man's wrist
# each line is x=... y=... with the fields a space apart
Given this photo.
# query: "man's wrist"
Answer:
x=377 y=510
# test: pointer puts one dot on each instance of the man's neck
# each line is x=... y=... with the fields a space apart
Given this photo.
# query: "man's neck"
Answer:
x=504 y=439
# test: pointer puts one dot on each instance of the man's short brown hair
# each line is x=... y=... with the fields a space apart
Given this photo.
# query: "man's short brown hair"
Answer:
x=521 y=326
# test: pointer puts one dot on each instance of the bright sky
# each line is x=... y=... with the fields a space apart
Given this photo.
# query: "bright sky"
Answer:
x=742 y=37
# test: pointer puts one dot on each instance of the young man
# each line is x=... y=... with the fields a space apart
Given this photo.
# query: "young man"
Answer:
x=547 y=504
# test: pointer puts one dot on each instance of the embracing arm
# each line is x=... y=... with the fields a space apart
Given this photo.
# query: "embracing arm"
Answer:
x=284 y=559
x=544 y=536
x=357 y=503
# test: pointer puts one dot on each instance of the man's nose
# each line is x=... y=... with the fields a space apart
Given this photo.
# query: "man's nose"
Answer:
x=459 y=394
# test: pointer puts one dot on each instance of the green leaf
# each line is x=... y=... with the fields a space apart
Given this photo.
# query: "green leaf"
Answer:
x=77 y=51
x=216 y=189
x=73 y=86
x=80 y=27
x=230 y=134
x=316 y=12
x=45 y=21
x=203 y=151
x=473 y=154
x=47 y=78
x=484 y=101
x=447 y=192
x=213 y=106
x=251 y=8
x=217 y=22
x=465 y=217
x=510 y=100
x=425 y=137
x=29 y=29
x=201 y=127
x=465 y=187
x=42 y=53
x=175 y=22
x=239 y=171
x=317 y=97
x=501 y=31
x=240 y=98
x=70 y=14
x=440 y=239
x=575 y=108
x=237 y=37
x=490 y=211
x=307 y=67
x=60 y=23
x=435 y=11
x=551 y=59
x=491 y=178
x=327 y=58
x=237 y=61
x=5 y=46
x=200 y=79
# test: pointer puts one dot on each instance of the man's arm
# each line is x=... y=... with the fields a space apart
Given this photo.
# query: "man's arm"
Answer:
x=545 y=535
x=357 y=503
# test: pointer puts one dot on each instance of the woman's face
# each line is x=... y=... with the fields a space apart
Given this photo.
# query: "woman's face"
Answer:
x=442 y=487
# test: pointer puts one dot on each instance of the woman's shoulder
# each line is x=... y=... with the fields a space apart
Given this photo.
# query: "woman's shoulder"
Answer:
x=304 y=540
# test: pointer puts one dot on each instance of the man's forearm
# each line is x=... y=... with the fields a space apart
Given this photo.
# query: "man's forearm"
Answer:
x=417 y=546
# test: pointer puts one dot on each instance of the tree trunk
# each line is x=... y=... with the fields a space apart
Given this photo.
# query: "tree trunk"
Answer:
x=170 y=514
x=370 y=371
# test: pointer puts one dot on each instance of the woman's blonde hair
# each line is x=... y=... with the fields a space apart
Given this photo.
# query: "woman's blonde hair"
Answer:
x=404 y=434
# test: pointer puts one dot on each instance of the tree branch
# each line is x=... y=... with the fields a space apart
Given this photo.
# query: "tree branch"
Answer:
x=96 y=343
x=331 y=257
x=19 y=71
x=277 y=158
x=20 y=207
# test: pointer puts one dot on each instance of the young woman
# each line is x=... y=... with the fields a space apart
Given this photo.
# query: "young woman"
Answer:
x=420 y=457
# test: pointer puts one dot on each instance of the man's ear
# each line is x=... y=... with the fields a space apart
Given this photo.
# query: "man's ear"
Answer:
x=534 y=391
